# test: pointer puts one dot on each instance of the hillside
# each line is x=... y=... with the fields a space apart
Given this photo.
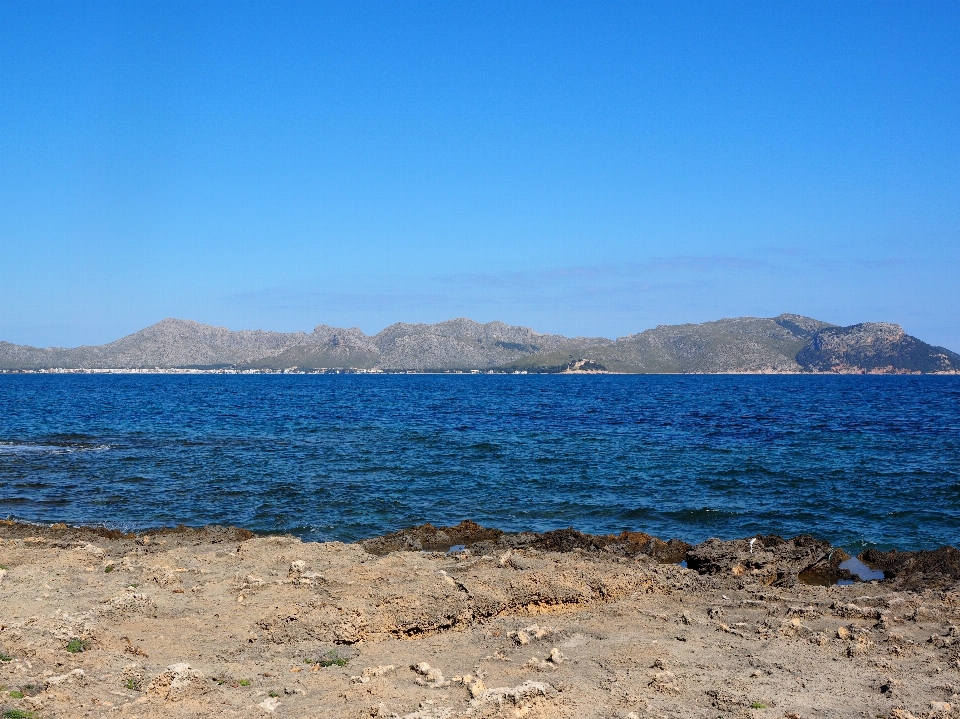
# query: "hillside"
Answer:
x=784 y=344
x=744 y=344
x=874 y=347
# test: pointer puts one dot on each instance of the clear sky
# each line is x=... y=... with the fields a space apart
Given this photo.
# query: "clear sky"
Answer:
x=584 y=168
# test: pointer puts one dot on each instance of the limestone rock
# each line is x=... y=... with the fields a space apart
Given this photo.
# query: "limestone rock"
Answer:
x=179 y=681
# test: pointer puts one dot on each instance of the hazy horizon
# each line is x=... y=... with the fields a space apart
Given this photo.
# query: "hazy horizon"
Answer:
x=581 y=169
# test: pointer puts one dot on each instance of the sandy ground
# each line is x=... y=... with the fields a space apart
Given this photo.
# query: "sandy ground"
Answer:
x=216 y=622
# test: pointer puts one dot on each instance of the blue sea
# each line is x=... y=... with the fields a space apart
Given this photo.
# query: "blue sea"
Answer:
x=862 y=461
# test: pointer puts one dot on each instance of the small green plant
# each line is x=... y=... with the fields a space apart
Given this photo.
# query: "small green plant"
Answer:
x=75 y=646
x=132 y=586
x=109 y=568
x=272 y=693
x=330 y=659
x=133 y=684
x=16 y=695
x=3 y=566
x=5 y=657
x=18 y=714
x=244 y=682
x=758 y=705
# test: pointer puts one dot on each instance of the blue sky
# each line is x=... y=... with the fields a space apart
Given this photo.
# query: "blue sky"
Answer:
x=584 y=168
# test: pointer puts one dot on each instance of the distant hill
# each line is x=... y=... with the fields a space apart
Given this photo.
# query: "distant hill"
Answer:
x=170 y=343
x=873 y=347
x=784 y=344
x=744 y=344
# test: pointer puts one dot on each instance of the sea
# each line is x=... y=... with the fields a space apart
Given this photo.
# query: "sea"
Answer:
x=861 y=461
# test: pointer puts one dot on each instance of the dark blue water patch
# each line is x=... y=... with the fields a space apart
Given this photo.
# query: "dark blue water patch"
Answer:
x=859 y=461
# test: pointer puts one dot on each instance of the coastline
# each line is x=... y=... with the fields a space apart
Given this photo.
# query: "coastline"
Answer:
x=192 y=622
x=885 y=372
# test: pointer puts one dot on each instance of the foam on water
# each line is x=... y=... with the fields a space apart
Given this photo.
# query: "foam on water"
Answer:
x=14 y=448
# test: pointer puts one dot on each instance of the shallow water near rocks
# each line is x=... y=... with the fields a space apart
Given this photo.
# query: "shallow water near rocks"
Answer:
x=860 y=461
x=859 y=570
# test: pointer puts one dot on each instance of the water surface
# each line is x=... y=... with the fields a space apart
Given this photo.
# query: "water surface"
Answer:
x=859 y=461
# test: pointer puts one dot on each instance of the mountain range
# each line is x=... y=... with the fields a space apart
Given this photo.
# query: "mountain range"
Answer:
x=784 y=344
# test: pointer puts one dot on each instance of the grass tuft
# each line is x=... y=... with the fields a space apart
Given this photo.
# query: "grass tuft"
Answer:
x=330 y=659
x=758 y=705
x=244 y=682
x=18 y=714
x=75 y=646
x=5 y=657
x=109 y=568
x=16 y=695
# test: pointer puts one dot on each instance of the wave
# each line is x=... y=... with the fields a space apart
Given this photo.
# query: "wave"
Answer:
x=16 y=448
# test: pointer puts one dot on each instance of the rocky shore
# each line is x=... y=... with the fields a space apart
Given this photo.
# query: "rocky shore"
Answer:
x=435 y=623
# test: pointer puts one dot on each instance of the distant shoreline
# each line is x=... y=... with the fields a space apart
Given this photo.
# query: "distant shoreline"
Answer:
x=786 y=344
x=500 y=372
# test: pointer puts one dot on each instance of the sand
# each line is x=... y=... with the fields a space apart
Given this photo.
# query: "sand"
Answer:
x=218 y=622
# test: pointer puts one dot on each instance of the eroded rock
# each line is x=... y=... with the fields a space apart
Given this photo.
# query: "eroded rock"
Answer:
x=179 y=681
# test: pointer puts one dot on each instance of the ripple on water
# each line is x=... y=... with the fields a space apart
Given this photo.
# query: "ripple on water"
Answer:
x=847 y=459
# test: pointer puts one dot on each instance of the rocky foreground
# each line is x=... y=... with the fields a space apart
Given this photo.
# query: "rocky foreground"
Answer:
x=218 y=622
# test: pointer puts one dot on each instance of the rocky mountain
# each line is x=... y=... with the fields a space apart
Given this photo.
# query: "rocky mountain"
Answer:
x=784 y=344
x=170 y=343
x=873 y=347
x=744 y=344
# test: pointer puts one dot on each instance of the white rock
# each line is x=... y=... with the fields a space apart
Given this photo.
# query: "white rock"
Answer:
x=269 y=704
x=534 y=631
x=77 y=676
x=515 y=695
x=429 y=676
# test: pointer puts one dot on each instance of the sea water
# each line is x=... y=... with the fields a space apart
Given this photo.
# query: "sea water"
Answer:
x=857 y=460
